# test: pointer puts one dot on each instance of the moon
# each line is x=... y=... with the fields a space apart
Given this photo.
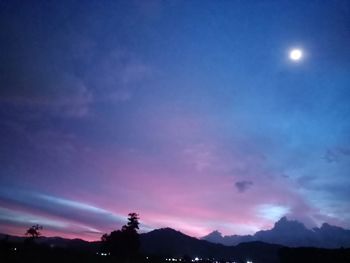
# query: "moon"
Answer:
x=296 y=54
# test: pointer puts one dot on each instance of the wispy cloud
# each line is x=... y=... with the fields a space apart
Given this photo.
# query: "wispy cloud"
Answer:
x=64 y=211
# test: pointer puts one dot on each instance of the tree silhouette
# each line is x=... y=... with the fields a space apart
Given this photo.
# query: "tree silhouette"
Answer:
x=131 y=237
x=133 y=223
x=33 y=231
x=124 y=244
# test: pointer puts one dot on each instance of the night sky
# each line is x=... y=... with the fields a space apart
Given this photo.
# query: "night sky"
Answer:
x=190 y=113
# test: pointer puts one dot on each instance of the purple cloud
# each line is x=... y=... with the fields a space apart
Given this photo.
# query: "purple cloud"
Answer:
x=243 y=186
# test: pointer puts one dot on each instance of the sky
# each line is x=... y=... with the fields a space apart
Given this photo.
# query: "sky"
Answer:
x=189 y=113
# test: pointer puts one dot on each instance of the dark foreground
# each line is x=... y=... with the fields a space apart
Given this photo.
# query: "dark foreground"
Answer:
x=29 y=252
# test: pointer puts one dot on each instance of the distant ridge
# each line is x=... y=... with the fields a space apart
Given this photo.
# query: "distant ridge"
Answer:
x=290 y=233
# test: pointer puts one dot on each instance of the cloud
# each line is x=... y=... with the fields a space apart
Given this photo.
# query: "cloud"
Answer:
x=272 y=212
x=72 y=99
x=336 y=154
x=39 y=208
x=25 y=219
x=330 y=156
x=66 y=74
x=344 y=151
x=117 y=75
x=243 y=186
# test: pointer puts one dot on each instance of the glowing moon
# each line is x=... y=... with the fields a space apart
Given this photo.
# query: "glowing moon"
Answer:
x=296 y=54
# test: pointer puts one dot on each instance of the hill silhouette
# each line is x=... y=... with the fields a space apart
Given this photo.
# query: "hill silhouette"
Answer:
x=169 y=242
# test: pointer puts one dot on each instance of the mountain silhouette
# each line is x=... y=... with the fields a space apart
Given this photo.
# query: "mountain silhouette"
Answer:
x=168 y=242
x=290 y=233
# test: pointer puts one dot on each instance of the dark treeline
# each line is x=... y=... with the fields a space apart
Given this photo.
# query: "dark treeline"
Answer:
x=319 y=255
x=119 y=246
x=41 y=253
x=26 y=252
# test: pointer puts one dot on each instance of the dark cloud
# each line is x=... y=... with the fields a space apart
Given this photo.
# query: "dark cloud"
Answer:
x=242 y=186
x=56 y=69
x=345 y=151
x=335 y=155
x=330 y=156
